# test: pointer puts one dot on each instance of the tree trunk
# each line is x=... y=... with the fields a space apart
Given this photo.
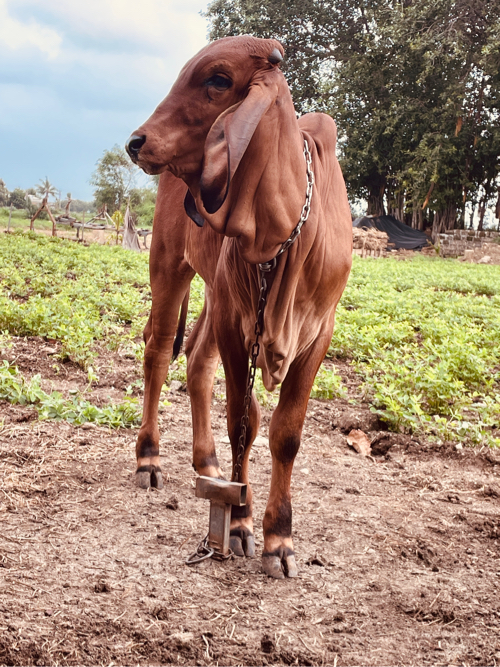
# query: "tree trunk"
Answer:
x=376 y=200
x=436 y=227
x=461 y=219
x=396 y=205
x=451 y=217
x=417 y=221
x=482 y=211
x=414 y=215
x=471 y=219
x=484 y=202
x=444 y=221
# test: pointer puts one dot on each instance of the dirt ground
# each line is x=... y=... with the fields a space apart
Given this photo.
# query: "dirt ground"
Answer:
x=399 y=553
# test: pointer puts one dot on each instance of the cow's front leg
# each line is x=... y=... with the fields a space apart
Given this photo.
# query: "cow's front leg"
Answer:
x=159 y=336
x=202 y=360
x=235 y=360
x=278 y=558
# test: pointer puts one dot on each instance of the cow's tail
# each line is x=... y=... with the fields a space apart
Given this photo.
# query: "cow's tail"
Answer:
x=181 y=327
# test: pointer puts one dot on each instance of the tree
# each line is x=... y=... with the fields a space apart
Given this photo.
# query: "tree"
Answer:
x=45 y=189
x=154 y=182
x=17 y=198
x=143 y=201
x=4 y=194
x=316 y=35
x=113 y=178
x=414 y=87
x=454 y=102
x=80 y=206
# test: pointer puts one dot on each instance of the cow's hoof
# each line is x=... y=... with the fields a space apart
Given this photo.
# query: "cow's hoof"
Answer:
x=272 y=567
x=242 y=542
x=280 y=564
x=291 y=568
x=149 y=476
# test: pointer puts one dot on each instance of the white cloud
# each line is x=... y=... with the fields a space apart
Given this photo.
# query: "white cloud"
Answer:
x=164 y=26
x=16 y=35
x=138 y=46
x=77 y=76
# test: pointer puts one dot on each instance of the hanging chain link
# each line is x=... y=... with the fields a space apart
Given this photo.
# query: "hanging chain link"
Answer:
x=265 y=268
x=251 y=371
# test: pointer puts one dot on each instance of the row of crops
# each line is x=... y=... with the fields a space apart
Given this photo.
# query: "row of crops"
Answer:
x=423 y=335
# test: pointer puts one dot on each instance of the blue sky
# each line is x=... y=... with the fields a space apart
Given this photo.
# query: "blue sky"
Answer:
x=77 y=76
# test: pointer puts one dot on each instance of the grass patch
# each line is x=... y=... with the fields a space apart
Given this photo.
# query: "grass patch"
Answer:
x=75 y=410
x=60 y=290
x=422 y=334
x=424 y=337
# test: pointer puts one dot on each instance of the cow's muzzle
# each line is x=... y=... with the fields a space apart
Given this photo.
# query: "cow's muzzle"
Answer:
x=134 y=145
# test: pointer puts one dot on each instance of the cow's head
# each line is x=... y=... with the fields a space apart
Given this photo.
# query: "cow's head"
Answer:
x=202 y=128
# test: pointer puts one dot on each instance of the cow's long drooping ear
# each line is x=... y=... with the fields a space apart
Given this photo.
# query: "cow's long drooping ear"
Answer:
x=230 y=135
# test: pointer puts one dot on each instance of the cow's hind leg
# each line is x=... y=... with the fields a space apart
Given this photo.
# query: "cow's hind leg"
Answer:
x=278 y=558
x=202 y=360
x=159 y=335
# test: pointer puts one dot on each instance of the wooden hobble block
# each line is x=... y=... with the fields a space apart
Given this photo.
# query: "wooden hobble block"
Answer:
x=222 y=494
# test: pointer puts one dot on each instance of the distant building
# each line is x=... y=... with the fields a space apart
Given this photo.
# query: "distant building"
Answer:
x=36 y=201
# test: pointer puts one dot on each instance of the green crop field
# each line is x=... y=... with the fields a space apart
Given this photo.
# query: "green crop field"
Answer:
x=424 y=337
x=421 y=334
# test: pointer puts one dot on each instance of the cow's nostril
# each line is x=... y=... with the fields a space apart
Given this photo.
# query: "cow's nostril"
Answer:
x=134 y=145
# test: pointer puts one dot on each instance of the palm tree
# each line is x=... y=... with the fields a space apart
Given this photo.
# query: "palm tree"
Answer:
x=46 y=189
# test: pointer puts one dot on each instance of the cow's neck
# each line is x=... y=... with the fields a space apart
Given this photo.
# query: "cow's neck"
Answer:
x=268 y=190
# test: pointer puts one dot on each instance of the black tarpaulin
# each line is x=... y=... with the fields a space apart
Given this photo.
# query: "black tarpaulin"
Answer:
x=400 y=234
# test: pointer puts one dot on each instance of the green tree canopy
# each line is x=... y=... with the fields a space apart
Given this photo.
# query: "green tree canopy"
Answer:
x=414 y=87
x=113 y=178
x=142 y=201
x=4 y=194
x=18 y=198
x=46 y=189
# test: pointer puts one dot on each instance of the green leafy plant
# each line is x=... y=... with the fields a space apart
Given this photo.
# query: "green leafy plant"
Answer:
x=328 y=385
x=73 y=294
x=423 y=336
x=75 y=410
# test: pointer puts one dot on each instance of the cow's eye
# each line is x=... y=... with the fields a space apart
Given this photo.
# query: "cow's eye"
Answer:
x=219 y=82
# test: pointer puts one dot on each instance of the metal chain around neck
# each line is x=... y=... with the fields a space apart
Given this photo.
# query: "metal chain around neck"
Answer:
x=267 y=267
x=306 y=209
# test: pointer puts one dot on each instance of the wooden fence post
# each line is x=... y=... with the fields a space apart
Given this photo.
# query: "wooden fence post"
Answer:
x=54 y=232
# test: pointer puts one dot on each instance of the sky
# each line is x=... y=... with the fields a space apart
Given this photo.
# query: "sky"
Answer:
x=78 y=76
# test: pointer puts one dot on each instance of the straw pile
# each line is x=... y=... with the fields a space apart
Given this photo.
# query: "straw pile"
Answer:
x=369 y=241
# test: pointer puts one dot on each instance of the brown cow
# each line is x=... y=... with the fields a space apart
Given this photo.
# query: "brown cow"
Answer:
x=228 y=131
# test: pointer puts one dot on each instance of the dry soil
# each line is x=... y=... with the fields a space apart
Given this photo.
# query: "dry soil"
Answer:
x=399 y=553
